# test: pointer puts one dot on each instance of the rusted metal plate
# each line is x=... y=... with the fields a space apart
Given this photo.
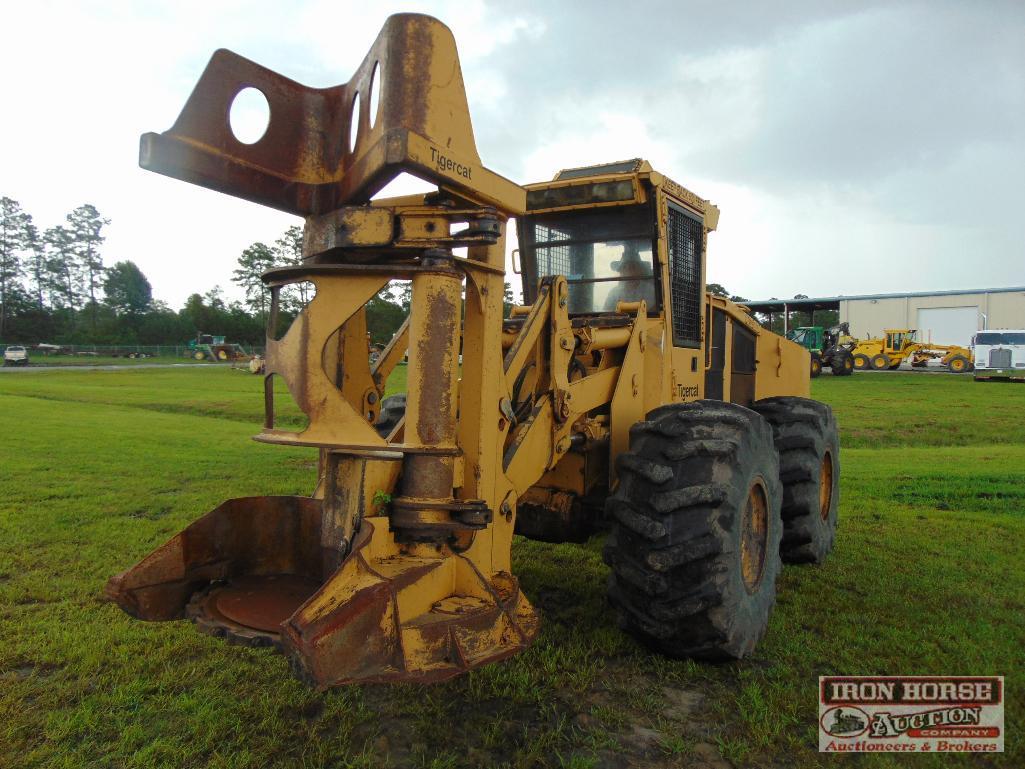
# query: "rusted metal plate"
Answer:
x=249 y=535
x=264 y=602
x=367 y=638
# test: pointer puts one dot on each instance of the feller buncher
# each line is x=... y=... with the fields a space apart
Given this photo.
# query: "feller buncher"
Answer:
x=828 y=347
x=620 y=379
x=901 y=344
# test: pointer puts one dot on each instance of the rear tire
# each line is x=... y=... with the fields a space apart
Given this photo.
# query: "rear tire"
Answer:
x=880 y=362
x=806 y=437
x=393 y=411
x=696 y=527
x=861 y=362
x=842 y=364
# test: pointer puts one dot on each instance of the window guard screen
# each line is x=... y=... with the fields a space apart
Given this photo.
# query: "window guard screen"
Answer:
x=685 y=253
x=607 y=256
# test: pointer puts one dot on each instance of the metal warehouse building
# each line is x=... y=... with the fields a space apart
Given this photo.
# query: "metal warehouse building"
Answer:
x=944 y=317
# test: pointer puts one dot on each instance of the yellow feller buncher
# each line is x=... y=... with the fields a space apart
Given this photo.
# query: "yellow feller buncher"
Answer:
x=901 y=344
x=621 y=381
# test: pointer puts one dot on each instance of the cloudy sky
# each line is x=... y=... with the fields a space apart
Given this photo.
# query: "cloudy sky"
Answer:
x=852 y=147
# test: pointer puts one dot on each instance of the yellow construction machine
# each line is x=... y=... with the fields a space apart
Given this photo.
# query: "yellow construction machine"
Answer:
x=901 y=344
x=620 y=382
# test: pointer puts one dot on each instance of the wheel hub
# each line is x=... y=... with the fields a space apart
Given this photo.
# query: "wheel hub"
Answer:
x=754 y=536
x=826 y=485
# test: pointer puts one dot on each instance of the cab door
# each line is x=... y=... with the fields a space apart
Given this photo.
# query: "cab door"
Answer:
x=716 y=356
x=685 y=257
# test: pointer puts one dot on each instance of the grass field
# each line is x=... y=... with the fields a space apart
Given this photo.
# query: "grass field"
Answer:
x=100 y=467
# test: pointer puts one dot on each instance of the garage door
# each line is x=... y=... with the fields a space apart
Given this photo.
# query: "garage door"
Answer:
x=948 y=325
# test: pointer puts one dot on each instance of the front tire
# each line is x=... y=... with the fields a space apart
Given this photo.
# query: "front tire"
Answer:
x=806 y=436
x=958 y=364
x=880 y=362
x=816 y=365
x=696 y=527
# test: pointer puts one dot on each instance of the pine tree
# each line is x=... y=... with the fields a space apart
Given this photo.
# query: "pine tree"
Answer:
x=37 y=262
x=61 y=267
x=288 y=251
x=13 y=223
x=86 y=227
x=253 y=262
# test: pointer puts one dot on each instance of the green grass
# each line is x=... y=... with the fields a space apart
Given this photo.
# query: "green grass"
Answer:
x=914 y=409
x=100 y=467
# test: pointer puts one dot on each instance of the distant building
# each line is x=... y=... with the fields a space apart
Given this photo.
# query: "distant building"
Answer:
x=944 y=317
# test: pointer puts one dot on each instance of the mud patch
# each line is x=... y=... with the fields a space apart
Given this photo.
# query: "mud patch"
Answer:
x=149 y=513
x=31 y=600
x=19 y=670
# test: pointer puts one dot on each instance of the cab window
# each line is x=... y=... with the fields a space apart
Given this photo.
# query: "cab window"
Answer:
x=607 y=256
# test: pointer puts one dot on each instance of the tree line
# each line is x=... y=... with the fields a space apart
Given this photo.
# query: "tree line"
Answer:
x=55 y=287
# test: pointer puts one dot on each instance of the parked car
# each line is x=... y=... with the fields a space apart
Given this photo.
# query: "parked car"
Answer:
x=15 y=355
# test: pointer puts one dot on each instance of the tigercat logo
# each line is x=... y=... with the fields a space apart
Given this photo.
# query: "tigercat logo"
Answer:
x=926 y=714
x=447 y=165
x=687 y=392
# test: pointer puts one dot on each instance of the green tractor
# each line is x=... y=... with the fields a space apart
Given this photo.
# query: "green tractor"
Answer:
x=209 y=347
x=829 y=347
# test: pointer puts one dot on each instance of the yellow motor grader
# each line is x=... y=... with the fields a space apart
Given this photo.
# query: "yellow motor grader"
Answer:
x=620 y=385
x=900 y=344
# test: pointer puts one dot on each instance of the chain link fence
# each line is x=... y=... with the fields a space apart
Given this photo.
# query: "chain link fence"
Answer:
x=124 y=350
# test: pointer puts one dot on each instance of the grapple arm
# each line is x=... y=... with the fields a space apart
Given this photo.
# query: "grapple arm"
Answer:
x=400 y=568
x=314 y=157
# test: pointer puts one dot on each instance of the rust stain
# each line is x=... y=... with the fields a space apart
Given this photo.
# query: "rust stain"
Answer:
x=436 y=420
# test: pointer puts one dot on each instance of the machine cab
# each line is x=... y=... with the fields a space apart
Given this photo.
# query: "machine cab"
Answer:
x=896 y=339
x=620 y=232
x=809 y=337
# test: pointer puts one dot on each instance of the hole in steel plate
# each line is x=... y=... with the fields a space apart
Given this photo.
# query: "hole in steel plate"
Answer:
x=375 y=93
x=354 y=123
x=249 y=115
